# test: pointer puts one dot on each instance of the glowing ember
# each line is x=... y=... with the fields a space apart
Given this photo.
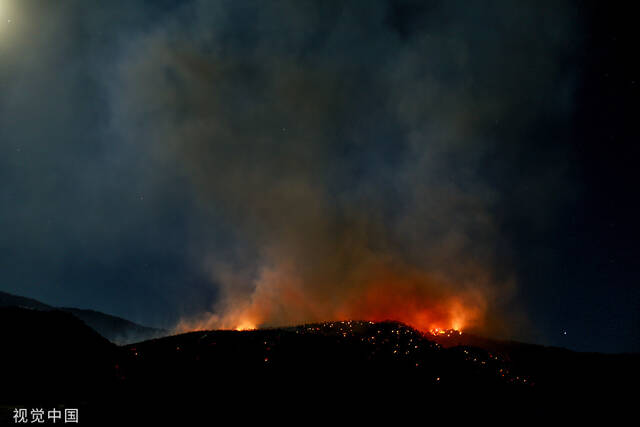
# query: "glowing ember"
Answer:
x=445 y=332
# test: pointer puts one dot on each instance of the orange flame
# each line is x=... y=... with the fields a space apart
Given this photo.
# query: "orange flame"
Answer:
x=423 y=302
x=245 y=326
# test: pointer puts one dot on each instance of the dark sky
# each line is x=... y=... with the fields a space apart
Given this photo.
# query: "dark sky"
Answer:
x=164 y=159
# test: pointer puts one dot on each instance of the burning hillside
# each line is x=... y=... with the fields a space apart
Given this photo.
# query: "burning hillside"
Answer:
x=424 y=302
x=359 y=362
x=332 y=349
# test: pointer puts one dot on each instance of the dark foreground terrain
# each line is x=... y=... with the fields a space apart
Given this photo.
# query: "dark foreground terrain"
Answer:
x=53 y=359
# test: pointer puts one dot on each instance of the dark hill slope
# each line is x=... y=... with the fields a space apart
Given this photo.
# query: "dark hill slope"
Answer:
x=553 y=368
x=51 y=356
x=332 y=351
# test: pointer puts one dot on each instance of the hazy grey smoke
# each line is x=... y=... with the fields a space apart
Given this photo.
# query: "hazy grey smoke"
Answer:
x=345 y=151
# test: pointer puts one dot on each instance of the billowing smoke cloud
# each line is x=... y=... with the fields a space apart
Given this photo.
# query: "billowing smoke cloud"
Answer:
x=347 y=147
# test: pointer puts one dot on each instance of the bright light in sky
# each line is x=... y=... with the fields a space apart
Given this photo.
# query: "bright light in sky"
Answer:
x=5 y=15
x=7 y=18
x=7 y=7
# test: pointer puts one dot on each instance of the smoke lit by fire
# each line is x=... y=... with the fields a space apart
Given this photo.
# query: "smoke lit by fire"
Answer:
x=352 y=188
x=419 y=302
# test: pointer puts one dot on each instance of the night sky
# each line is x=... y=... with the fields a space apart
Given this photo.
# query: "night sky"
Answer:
x=165 y=160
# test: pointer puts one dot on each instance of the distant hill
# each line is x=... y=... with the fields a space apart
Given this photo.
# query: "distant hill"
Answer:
x=9 y=300
x=113 y=328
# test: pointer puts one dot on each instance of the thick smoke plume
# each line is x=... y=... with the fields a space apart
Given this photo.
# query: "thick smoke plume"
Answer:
x=343 y=149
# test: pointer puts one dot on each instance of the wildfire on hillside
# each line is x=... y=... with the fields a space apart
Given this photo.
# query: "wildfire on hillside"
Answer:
x=413 y=304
